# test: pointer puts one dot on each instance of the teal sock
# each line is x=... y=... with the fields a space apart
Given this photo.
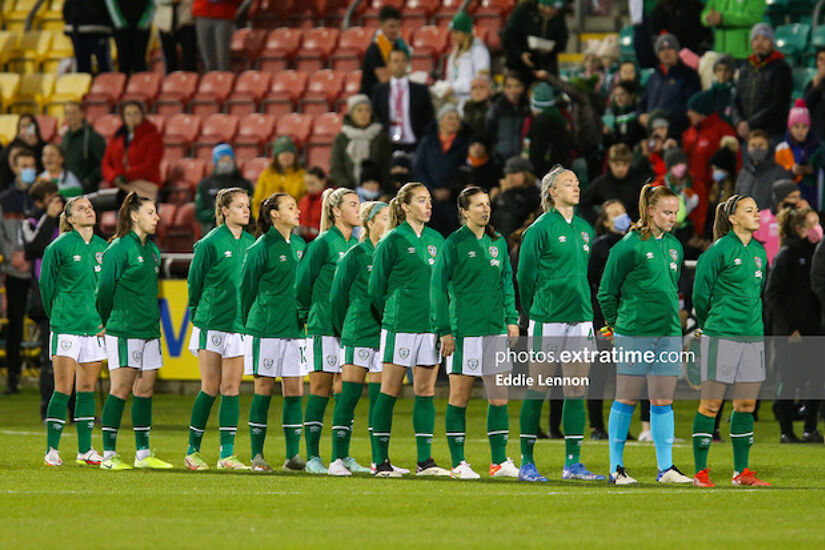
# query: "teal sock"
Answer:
x=498 y=431
x=529 y=424
x=374 y=390
x=314 y=423
x=197 y=423
x=702 y=437
x=228 y=413
x=110 y=421
x=342 y=417
x=382 y=426
x=455 y=422
x=56 y=419
x=258 y=415
x=573 y=419
x=741 y=437
x=84 y=419
x=141 y=421
x=424 y=425
x=293 y=422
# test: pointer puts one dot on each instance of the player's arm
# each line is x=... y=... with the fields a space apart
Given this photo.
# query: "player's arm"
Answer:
x=49 y=271
x=345 y=273
x=203 y=260
x=110 y=272
x=308 y=270
x=528 y=261
x=439 y=289
x=251 y=271
x=707 y=270
x=381 y=266
x=619 y=264
x=510 y=312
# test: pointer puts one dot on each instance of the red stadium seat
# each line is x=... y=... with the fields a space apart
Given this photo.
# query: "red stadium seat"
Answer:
x=430 y=39
x=108 y=222
x=296 y=126
x=351 y=47
x=316 y=47
x=488 y=28
x=143 y=87
x=166 y=213
x=326 y=125
x=186 y=169
x=175 y=92
x=302 y=17
x=250 y=88
x=181 y=131
x=158 y=120
x=317 y=154
x=107 y=125
x=369 y=16
x=323 y=88
x=252 y=168
x=246 y=46
x=281 y=45
x=269 y=14
x=420 y=7
x=48 y=127
x=352 y=84
x=214 y=88
x=184 y=230
x=103 y=95
x=287 y=87
x=253 y=131
x=447 y=11
x=333 y=11
x=217 y=128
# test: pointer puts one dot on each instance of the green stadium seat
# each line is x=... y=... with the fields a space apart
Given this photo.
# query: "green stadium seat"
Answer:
x=626 y=41
x=792 y=40
x=801 y=77
x=818 y=37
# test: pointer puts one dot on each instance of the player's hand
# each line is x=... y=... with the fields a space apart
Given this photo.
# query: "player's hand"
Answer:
x=447 y=345
x=102 y=332
x=607 y=332
x=697 y=334
x=795 y=337
x=513 y=331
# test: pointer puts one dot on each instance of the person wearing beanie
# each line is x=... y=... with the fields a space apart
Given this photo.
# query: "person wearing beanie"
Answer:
x=681 y=17
x=468 y=60
x=759 y=170
x=361 y=140
x=802 y=154
x=731 y=22
x=723 y=87
x=670 y=86
x=549 y=137
x=224 y=174
x=283 y=175
x=541 y=19
x=648 y=154
x=763 y=88
x=621 y=121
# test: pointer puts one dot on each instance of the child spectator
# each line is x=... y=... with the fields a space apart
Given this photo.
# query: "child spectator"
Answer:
x=284 y=174
x=802 y=154
x=310 y=204
x=621 y=122
x=506 y=118
x=618 y=183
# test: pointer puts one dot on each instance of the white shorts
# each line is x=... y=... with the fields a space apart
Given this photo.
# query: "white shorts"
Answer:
x=480 y=355
x=410 y=349
x=83 y=349
x=729 y=361
x=136 y=353
x=554 y=338
x=275 y=357
x=225 y=344
x=367 y=358
x=324 y=354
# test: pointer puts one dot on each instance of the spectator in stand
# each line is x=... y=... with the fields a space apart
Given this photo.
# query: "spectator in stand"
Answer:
x=531 y=20
x=682 y=18
x=369 y=186
x=437 y=160
x=174 y=22
x=132 y=158
x=815 y=96
x=549 y=136
x=283 y=175
x=764 y=87
x=362 y=138
x=468 y=60
x=400 y=170
x=731 y=21
x=480 y=168
x=310 y=204
x=132 y=20
x=404 y=108
x=506 y=118
x=88 y=25
x=83 y=148
x=619 y=183
x=214 y=24
x=53 y=160
x=723 y=88
x=670 y=86
x=377 y=56
x=723 y=165
x=785 y=195
x=225 y=175
x=621 y=121
x=609 y=53
x=802 y=154
x=759 y=170
x=648 y=156
x=28 y=137
x=693 y=205
x=475 y=109
x=519 y=197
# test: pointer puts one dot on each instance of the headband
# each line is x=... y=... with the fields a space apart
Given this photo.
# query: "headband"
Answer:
x=378 y=207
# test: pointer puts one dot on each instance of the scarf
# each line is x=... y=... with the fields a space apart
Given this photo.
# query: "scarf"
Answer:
x=358 y=148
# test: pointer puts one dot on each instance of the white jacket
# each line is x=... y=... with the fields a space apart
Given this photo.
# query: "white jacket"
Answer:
x=463 y=69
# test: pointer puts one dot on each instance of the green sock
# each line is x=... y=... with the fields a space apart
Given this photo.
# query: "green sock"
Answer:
x=56 y=419
x=382 y=426
x=529 y=424
x=455 y=422
x=258 y=414
x=702 y=437
x=572 y=419
x=228 y=413
x=84 y=419
x=374 y=389
x=110 y=421
x=424 y=425
x=314 y=423
x=292 y=419
x=342 y=416
x=741 y=437
x=197 y=423
x=498 y=431
x=141 y=421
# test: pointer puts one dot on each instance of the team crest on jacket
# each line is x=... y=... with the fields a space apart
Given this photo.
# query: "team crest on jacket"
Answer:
x=432 y=250
x=673 y=254
x=585 y=236
x=758 y=261
x=99 y=257
x=300 y=254
x=494 y=251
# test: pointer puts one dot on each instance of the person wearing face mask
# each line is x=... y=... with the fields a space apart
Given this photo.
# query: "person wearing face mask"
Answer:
x=225 y=175
x=722 y=176
x=362 y=138
x=759 y=170
x=400 y=170
x=28 y=137
x=794 y=311
x=369 y=188
x=620 y=182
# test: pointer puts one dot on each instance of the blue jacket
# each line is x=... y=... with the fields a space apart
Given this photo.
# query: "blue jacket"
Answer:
x=671 y=92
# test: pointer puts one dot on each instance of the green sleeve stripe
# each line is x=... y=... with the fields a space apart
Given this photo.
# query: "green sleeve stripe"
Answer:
x=146 y=18
x=117 y=16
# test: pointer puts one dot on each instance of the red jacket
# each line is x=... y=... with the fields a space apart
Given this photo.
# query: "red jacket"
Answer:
x=310 y=207
x=143 y=155
x=222 y=9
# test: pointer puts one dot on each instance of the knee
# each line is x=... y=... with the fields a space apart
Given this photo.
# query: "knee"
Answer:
x=497 y=402
x=210 y=387
x=424 y=389
x=709 y=407
x=81 y=386
x=744 y=406
x=661 y=402
x=143 y=392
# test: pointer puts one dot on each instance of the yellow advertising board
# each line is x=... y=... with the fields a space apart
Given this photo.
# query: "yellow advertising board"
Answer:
x=176 y=328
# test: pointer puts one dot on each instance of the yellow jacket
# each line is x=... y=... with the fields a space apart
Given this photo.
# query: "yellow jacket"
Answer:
x=270 y=181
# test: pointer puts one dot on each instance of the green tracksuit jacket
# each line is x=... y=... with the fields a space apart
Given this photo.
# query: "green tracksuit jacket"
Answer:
x=350 y=306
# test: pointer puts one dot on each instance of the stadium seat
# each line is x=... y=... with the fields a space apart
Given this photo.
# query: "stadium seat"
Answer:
x=143 y=87
x=7 y=41
x=158 y=120
x=323 y=87
x=818 y=37
x=326 y=126
x=8 y=128
x=352 y=85
x=107 y=125
x=51 y=19
x=317 y=154
x=15 y=13
x=250 y=88
x=269 y=14
x=176 y=91
x=192 y=170
x=60 y=49
x=9 y=86
x=447 y=11
x=254 y=130
x=33 y=93
x=492 y=26
x=626 y=41
x=181 y=130
x=108 y=222
x=316 y=47
x=213 y=90
x=801 y=77
x=48 y=127
x=351 y=47
x=333 y=12
x=287 y=87
x=29 y=52
x=252 y=168
x=103 y=95
x=422 y=10
x=281 y=45
x=792 y=40
x=69 y=87
x=430 y=38
x=217 y=128
x=297 y=126
x=369 y=15
x=302 y=16
x=166 y=213
x=246 y=46
x=184 y=231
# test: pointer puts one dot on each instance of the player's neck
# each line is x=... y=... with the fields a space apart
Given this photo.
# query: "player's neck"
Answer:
x=478 y=230
x=417 y=226
x=86 y=233
x=566 y=210
x=284 y=230
x=744 y=235
x=235 y=229
x=345 y=229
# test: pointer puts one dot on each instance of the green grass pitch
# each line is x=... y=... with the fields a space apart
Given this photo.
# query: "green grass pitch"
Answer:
x=73 y=506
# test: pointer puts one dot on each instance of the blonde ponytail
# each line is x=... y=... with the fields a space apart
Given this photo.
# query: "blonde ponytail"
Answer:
x=650 y=196
x=331 y=199
x=404 y=196
x=223 y=200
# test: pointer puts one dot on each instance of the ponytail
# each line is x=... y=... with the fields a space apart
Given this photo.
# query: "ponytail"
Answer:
x=650 y=196
x=331 y=199
x=131 y=204
x=404 y=196
x=223 y=200
x=367 y=212
x=788 y=219
x=65 y=225
x=273 y=202
x=724 y=210
x=464 y=204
